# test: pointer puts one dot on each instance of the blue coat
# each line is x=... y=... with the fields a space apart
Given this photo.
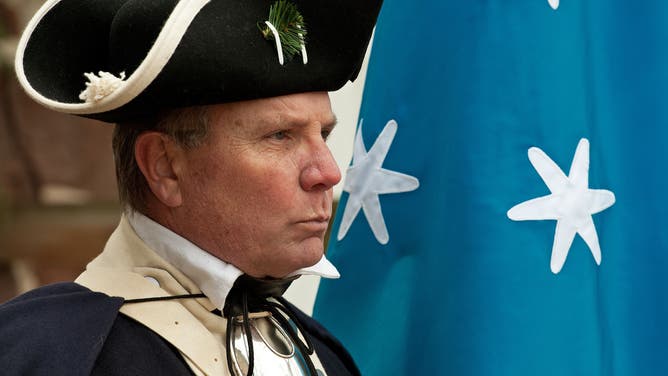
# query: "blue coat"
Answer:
x=66 y=329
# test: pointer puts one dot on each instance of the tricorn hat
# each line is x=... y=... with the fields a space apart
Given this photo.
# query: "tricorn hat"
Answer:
x=117 y=60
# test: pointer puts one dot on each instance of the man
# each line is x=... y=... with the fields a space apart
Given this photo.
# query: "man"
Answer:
x=221 y=160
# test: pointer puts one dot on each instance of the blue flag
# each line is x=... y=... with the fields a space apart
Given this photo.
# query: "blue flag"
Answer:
x=537 y=240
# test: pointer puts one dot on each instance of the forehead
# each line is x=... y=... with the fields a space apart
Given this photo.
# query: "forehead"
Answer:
x=294 y=109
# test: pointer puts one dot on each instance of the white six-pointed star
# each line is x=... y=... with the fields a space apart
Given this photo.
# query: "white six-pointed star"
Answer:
x=366 y=179
x=571 y=203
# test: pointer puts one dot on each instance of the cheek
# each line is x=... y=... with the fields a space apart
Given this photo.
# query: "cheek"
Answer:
x=247 y=188
x=263 y=190
x=273 y=192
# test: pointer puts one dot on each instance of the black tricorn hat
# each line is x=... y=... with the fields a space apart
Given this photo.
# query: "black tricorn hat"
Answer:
x=142 y=56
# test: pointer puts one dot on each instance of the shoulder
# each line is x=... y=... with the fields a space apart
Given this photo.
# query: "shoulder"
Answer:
x=334 y=357
x=62 y=325
x=133 y=349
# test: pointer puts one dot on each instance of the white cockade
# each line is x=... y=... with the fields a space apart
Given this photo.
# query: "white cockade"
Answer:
x=366 y=179
x=571 y=203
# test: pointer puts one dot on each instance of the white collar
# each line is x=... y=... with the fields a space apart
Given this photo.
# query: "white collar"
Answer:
x=212 y=275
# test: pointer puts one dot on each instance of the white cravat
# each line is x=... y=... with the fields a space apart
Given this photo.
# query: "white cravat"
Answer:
x=212 y=275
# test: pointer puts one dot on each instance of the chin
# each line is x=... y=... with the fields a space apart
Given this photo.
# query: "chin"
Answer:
x=291 y=259
x=313 y=253
x=307 y=257
x=310 y=261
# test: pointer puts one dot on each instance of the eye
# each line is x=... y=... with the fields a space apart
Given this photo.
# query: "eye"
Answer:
x=325 y=133
x=279 y=135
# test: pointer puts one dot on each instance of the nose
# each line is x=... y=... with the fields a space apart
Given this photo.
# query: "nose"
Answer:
x=321 y=171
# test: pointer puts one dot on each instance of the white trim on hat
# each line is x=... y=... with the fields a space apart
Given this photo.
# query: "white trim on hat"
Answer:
x=157 y=57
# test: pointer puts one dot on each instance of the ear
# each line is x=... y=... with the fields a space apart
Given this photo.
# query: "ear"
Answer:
x=157 y=158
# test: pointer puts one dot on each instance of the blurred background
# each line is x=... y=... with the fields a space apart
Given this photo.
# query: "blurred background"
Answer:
x=58 y=201
x=57 y=187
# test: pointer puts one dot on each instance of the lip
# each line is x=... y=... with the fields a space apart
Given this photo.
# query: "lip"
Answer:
x=316 y=224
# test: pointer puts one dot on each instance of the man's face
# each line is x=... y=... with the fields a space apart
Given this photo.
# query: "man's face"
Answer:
x=258 y=193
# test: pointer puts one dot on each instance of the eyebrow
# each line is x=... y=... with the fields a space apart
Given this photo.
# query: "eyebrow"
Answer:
x=332 y=123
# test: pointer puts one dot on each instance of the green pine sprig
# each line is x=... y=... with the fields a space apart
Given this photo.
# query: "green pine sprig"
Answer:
x=290 y=25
